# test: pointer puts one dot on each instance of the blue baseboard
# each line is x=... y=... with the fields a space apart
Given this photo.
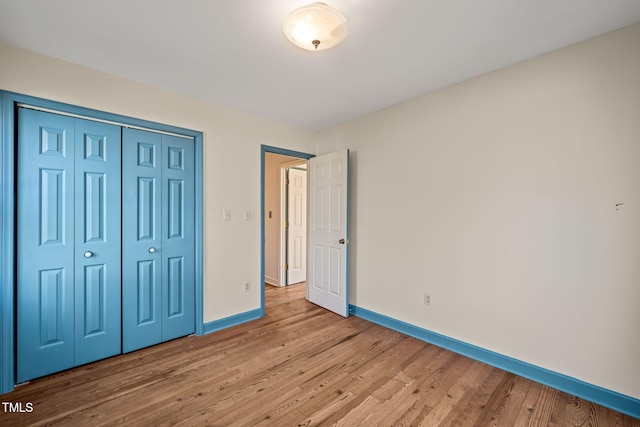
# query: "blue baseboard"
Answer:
x=230 y=321
x=602 y=396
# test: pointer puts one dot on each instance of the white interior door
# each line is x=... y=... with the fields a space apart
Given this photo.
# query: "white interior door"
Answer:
x=328 y=238
x=297 y=231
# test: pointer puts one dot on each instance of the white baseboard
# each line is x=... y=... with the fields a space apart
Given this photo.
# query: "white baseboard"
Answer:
x=272 y=281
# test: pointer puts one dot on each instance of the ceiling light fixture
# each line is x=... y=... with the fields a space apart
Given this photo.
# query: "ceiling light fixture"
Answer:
x=315 y=27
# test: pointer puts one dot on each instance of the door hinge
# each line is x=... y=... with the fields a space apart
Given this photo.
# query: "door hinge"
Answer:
x=286 y=223
x=286 y=181
x=286 y=266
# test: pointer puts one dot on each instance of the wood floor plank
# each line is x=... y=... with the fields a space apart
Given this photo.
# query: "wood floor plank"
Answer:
x=559 y=408
x=580 y=413
x=502 y=402
x=434 y=386
x=446 y=405
x=299 y=365
x=474 y=401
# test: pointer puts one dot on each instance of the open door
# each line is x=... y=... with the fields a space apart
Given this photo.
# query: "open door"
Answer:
x=328 y=238
x=296 y=225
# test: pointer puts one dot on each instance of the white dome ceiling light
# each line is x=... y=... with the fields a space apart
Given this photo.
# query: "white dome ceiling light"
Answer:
x=316 y=26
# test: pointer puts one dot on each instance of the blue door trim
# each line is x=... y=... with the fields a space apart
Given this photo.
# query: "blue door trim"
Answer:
x=8 y=106
x=7 y=239
x=264 y=149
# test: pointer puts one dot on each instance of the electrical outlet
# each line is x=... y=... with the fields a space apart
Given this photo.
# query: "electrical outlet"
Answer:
x=427 y=298
x=247 y=286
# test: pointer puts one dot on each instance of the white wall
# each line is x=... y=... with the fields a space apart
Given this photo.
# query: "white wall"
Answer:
x=231 y=160
x=498 y=196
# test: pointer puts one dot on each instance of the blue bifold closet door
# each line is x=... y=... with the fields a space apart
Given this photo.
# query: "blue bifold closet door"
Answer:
x=158 y=282
x=105 y=241
x=68 y=242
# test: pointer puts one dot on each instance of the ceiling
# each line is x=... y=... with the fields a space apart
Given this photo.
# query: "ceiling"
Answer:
x=233 y=52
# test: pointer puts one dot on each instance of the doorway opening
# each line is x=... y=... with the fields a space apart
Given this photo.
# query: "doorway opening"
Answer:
x=285 y=241
x=327 y=238
x=283 y=218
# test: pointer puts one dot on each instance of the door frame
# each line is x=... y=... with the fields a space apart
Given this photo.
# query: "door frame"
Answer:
x=9 y=102
x=264 y=149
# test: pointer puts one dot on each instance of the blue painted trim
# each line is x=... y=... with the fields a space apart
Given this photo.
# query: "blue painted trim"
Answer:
x=8 y=102
x=264 y=149
x=7 y=237
x=611 y=399
x=285 y=152
x=236 y=319
x=199 y=232
x=97 y=114
x=262 y=234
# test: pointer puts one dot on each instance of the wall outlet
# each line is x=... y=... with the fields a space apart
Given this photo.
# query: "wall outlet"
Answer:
x=247 y=286
x=427 y=298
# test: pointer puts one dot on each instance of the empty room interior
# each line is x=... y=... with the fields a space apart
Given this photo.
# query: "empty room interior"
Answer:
x=184 y=183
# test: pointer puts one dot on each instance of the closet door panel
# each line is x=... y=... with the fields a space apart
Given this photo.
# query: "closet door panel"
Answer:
x=178 y=253
x=98 y=246
x=141 y=239
x=45 y=246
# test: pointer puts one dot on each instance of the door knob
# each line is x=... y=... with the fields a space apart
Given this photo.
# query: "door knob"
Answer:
x=343 y=241
x=152 y=250
x=88 y=254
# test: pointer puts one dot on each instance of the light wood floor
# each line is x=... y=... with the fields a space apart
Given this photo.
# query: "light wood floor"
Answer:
x=298 y=366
